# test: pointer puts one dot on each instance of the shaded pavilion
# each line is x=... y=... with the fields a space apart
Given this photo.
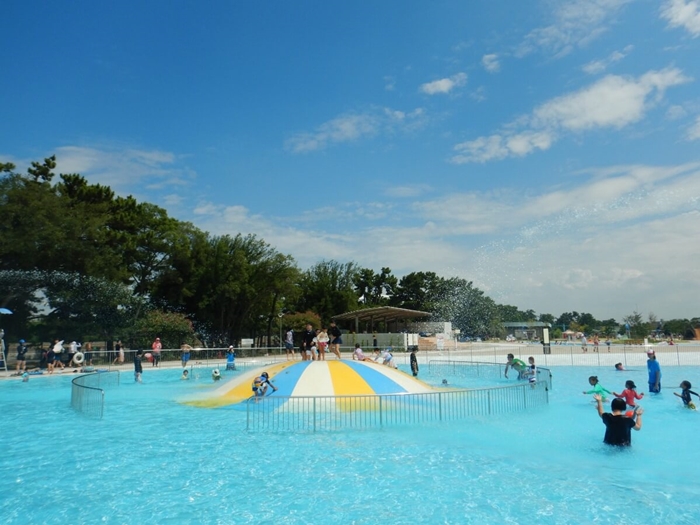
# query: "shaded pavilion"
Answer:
x=391 y=316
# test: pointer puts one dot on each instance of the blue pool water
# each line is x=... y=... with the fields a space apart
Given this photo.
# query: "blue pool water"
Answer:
x=153 y=460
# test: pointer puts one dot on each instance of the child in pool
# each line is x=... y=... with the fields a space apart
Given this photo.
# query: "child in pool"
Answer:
x=685 y=394
x=629 y=394
x=597 y=388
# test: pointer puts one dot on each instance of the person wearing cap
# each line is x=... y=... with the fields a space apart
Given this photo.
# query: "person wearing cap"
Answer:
x=231 y=358
x=156 y=347
x=654 y=370
x=21 y=356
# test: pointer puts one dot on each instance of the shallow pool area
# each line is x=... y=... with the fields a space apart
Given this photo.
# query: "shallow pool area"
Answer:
x=152 y=459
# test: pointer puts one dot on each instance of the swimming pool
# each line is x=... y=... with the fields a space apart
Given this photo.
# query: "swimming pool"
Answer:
x=152 y=460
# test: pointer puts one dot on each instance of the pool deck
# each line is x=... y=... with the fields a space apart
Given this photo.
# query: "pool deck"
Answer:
x=561 y=355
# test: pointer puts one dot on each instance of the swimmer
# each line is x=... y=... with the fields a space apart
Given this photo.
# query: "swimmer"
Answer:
x=185 y=375
x=618 y=367
x=685 y=387
x=444 y=382
x=261 y=383
x=629 y=394
x=25 y=377
x=216 y=375
x=597 y=388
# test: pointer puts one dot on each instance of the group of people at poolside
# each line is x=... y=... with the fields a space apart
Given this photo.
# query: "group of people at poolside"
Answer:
x=386 y=357
x=77 y=356
x=314 y=343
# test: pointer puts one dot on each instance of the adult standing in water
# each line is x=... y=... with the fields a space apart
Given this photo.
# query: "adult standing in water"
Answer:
x=617 y=425
x=336 y=339
x=654 y=370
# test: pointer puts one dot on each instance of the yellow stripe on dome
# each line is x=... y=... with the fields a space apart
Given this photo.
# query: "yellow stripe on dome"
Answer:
x=347 y=382
x=240 y=390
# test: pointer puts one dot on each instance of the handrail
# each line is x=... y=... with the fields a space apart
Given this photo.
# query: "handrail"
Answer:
x=89 y=399
x=482 y=369
x=314 y=413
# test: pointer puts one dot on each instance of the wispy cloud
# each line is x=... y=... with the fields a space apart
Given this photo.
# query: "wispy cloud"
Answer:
x=577 y=225
x=574 y=24
x=491 y=63
x=612 y=102
x=126 y=170
x=354 y=126
x=682 y=13
x=389 y=83
x=598 y=66
x=694 y=131
x=444 y=85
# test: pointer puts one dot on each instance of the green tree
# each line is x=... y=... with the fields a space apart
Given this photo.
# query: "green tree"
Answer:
x=327 y=288
x=421 y=291
x=377 y=289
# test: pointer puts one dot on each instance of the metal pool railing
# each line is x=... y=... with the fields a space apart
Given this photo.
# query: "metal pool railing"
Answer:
x=87 y=395
x=376 y=411
x=473 y=369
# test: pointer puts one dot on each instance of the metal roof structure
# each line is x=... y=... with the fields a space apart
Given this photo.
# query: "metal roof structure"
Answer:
x=386 y=314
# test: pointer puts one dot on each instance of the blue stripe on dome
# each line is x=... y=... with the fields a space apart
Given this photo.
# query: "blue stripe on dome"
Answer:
x=380 y=383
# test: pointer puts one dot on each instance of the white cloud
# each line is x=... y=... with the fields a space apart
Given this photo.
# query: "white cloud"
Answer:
x=491 y=63
x=354 y=126
x=408 y=190
x=341 y=129
x=611 y=102
x=675 y=112
x=389 y=83
x=694 y=131
x=575 y=24
x=125 y=170
x=444 y=85
x=580 y=237
x=598 y=66
x=682 y=13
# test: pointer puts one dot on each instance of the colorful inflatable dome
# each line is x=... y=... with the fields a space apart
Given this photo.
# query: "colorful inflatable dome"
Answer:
x=315 y=378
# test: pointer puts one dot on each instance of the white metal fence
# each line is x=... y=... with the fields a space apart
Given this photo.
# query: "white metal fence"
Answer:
x=280 y=413
x=87 y=394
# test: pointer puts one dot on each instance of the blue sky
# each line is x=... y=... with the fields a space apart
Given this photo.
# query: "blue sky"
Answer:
x=548 y=151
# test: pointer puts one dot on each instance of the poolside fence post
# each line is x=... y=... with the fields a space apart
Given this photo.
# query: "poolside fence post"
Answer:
x=488 y=398
x=524 y=397
x=314 y=414
x=678 y=356
x=381 y=413
x=571 y=351
x=440 y=406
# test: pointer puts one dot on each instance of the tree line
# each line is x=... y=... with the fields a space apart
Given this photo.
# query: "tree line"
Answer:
x=78 y=260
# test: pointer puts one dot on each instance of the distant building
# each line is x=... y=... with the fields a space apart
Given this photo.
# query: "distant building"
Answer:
x=527 y=330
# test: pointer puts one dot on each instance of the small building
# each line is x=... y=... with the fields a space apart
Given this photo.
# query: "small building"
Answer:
x=526 y=330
